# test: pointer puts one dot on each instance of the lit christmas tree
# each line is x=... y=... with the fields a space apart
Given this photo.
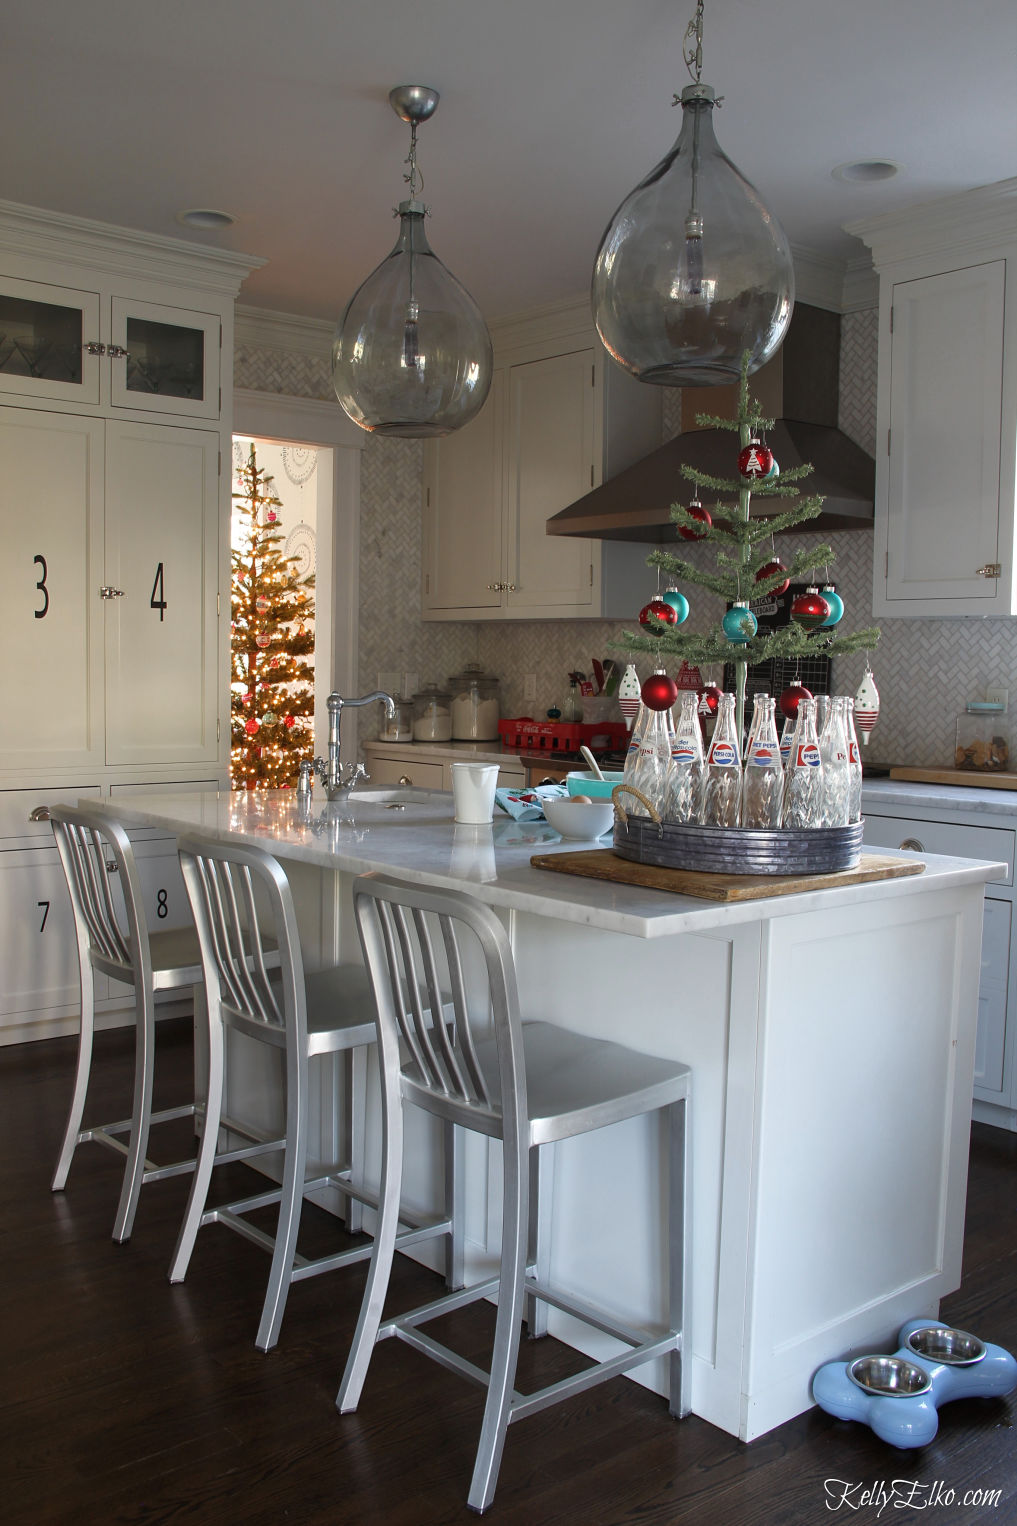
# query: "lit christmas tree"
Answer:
x=745 y=568
x=272 y=645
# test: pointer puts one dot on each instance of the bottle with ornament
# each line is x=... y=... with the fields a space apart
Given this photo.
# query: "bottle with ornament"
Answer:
x=651 y=769
x=763 y=780
x=854 y=760
x=803 y=780
x=685 y=792
x=833 y=751
x=722 y=783
x=790 y=701
x=755 y=503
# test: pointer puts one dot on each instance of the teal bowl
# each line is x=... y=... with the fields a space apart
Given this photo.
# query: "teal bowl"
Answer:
x=589 y=784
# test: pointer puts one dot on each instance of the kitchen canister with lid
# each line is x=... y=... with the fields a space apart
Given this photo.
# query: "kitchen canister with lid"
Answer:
x=476 y=705
x=432 y=715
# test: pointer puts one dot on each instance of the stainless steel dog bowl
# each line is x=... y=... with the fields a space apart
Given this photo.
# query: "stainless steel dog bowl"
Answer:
x=890 y=1375
x=939 y=1343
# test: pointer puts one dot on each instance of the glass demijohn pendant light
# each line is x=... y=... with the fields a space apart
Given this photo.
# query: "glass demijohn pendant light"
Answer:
x=412 y=355
x=694 y=268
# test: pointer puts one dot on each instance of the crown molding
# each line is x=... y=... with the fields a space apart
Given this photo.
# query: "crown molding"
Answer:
x=309 y=420
x=982 y=220
x=35 y=234
x=263 y=329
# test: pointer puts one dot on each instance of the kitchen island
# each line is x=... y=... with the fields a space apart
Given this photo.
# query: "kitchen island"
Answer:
x=830 y=1036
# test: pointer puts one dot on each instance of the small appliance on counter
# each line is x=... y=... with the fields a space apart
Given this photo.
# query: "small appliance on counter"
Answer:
x=476 y=706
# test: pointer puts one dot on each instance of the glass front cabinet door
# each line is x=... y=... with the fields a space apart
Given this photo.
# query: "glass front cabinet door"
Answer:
x=49 y=342
x=164 y=360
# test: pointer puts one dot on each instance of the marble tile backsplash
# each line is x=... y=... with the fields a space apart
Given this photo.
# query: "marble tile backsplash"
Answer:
x=925 y=669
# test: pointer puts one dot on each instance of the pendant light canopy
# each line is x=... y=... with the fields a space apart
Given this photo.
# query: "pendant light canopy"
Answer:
x=412 y=355
x=694 y=269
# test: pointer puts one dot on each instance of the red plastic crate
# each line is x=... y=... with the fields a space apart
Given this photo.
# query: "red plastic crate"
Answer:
x=527 y=735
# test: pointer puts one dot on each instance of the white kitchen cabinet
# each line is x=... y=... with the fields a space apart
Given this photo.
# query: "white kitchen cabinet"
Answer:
x=115 y=416
x=936 y=828
x=560 y=417
x=391 y=763
x=947 y=406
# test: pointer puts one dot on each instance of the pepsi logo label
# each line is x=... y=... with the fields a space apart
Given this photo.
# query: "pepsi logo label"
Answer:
x=723 y=754
x=808 y=755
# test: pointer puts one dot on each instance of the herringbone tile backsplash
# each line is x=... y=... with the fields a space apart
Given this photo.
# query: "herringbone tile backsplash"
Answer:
x=924 y=668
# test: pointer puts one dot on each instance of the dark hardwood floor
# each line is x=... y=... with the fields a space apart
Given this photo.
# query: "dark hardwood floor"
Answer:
x=125 y=1400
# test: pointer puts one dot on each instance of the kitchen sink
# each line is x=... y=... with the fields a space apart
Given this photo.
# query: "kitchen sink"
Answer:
x=398 y=798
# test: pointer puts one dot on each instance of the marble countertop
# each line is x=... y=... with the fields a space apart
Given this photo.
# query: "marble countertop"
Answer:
x=968 y=799
x=422 y=842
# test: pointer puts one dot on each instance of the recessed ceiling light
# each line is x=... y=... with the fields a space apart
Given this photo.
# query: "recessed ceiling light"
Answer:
x=206 y=217
x=867 y=170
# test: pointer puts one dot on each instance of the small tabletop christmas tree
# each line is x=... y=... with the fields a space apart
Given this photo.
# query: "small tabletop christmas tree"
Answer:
x=745 y=566
x=272 y=645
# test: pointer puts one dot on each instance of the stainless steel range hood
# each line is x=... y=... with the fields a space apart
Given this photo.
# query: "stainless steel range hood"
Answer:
x=799 y=389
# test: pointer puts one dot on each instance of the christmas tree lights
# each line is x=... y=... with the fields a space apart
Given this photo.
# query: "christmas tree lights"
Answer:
x=271 y=643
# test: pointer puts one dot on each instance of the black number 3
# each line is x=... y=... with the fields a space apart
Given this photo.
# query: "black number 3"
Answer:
x=40 y=614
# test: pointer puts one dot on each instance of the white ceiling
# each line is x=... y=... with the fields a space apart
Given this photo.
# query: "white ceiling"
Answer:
x=277 y=110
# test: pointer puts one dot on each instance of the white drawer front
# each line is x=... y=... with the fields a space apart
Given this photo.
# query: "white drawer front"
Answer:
x=991 y=843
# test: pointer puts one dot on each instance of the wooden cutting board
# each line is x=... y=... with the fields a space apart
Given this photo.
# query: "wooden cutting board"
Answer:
x=604 y=864
x=966 y=776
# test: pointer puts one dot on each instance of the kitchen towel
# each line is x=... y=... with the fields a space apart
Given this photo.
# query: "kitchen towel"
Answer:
x=527 y=804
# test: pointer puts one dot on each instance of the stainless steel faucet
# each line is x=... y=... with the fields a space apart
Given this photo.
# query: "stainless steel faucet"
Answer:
x=337 y=777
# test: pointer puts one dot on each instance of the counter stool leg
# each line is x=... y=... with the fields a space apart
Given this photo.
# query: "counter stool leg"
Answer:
x=206 y=1153
x=538 y=1249
x=141 y=1117
x=455 y=1206
x=86 y=1034
x=505 y=1354
x=290 y=1203
x=676 y=1124
x=353 y=1130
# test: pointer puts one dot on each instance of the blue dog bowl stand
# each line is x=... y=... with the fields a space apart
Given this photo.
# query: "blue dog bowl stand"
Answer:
x=912 y=1419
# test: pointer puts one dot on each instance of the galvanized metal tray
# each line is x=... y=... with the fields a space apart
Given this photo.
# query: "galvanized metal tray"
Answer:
x=733 y=850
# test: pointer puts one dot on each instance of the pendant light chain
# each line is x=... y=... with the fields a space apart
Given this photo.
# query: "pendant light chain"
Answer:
x=694 y=55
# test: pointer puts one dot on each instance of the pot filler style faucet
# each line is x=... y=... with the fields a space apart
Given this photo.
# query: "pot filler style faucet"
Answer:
x=337 y=777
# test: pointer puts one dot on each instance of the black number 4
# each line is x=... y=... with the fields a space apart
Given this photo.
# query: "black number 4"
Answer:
x=158 y=599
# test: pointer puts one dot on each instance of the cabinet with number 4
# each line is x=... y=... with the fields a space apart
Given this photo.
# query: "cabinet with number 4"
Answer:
x=115 y=416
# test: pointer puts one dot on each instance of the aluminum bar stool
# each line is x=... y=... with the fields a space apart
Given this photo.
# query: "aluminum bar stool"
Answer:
x=526 y=1084
x=113 y=938
x=304 y=1015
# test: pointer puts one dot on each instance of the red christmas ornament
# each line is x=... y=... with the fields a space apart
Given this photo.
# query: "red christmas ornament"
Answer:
x=271 y=516
x=709 y=698
x=755 y=461
x=262 y=640
x=810 y=608
x=251 y=727
x=288 y=720
x=662 y=611
x=770 y=570
x=696 y=511
x=792 y=698
x=659 y=692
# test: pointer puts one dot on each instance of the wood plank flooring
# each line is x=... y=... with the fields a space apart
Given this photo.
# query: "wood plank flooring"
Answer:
x=125 y=1400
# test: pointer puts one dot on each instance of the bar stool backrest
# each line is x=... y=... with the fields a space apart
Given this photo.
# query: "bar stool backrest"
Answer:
x=111 y=930
x=221 y=881
x=420 y=946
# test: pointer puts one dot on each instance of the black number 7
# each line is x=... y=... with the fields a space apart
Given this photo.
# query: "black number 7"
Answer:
x=45 y=913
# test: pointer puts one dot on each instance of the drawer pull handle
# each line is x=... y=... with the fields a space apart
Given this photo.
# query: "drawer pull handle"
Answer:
x=912 y=845
x=990 y=570
x=41 y=813
x=406 y=780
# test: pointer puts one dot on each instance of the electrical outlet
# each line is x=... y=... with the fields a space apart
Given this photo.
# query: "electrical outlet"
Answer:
x=997 y=695
x=530 y=687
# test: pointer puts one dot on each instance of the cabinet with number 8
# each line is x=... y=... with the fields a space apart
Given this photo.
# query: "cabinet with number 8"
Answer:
x=115 y=419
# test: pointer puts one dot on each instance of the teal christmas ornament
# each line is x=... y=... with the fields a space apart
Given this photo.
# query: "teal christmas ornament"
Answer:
x=836 y=604
x=740 y=624
x=678 y=602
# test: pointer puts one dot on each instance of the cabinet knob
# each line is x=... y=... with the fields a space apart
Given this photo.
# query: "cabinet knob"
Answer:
x=509 y=587
x=111 y=593
x=990 y=570
x=93 y=347
x=117 y=352
x=405 y=779
x=496 y=587
x=912 y=845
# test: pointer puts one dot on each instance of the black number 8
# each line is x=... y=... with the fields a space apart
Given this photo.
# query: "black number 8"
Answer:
x=40 y=614
x=162 y=910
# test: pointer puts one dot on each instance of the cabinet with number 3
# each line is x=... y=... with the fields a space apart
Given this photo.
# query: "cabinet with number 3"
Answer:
x=116 y=355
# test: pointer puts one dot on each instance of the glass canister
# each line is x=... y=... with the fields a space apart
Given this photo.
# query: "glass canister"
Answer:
x=432 y=715
x=476 y=705
x=399 y=726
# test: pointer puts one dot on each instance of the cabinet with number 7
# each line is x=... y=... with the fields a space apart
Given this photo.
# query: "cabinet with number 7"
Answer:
x=109 y=583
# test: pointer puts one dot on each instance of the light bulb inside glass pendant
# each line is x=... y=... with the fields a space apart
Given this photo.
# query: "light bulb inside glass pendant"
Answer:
x=693 y=268
x=412 y=355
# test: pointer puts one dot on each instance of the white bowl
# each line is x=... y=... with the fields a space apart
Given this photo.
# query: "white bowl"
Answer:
x=582 y=820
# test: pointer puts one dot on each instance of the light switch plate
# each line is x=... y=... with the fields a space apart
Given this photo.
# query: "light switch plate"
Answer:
x=388 y=682
x=530 y=687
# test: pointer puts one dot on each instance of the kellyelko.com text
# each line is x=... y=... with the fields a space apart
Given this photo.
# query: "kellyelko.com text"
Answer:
x=905 y=1494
